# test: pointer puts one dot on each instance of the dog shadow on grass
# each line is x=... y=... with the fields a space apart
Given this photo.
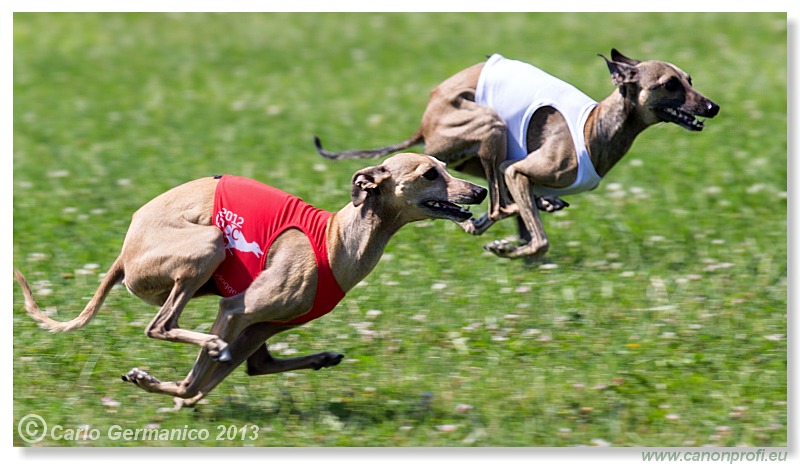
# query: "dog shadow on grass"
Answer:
x=286 y=408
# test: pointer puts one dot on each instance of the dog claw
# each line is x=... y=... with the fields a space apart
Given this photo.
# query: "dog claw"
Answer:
x=218 y=350
x=550 y=203
x=225 y=355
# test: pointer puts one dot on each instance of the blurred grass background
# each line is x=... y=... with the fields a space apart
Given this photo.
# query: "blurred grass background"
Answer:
x=658 y=319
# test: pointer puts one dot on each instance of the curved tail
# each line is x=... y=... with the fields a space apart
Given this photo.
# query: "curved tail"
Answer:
x=113 y=276
x=375 y=153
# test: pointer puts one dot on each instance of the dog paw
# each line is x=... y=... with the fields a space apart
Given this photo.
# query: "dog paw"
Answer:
x=477 y=226
x=327 y=360
x=507 y=249
x=550 y=203
x=501 y=247
x=141 y=378
x=218 y=350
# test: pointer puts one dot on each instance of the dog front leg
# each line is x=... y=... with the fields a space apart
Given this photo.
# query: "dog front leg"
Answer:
x=519 y=185
x=263 y=363
x=251 y=345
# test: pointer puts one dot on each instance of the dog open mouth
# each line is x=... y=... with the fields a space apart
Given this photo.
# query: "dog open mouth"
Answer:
x=682 y=118
x=445 y=209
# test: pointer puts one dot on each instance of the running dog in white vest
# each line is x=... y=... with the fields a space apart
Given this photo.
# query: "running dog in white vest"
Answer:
x=536 y=138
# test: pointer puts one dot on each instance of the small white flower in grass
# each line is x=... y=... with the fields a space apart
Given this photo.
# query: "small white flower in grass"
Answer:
x=775 y=337
x=463 y=408
x=600 y=442
x=564 y=430
x=97 y=211
x=406 y=428
x=419 y=317
x=672 y=417
x=668 y=335
x=548 y=266
x=522 y=289
x=579 y=386
x=373 y=313
x=447 y=428
x=695 y=326
x=124 y=182
x=438 y=286
x=713 y=190
x=37 y=256
x=69 y=210
x=319 y=167
x=109 y=402
x=58 y=173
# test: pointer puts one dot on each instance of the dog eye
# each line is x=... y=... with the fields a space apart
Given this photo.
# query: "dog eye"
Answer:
x=673 y=84
x=431 y=174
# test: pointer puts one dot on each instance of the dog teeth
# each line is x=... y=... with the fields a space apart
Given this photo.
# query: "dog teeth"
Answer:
x=445 y=206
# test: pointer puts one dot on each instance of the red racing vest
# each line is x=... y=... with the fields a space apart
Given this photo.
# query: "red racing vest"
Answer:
x=251 y=215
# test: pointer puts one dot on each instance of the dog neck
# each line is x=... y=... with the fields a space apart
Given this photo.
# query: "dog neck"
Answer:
x=610 y=130
x=357 y=237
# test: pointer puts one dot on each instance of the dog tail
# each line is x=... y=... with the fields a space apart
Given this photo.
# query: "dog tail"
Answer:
x=113 y=276
x=374 y=153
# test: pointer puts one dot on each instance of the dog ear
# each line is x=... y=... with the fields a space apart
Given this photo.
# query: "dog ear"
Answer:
x=617 y=56
x=366 y=182
x=621 y=72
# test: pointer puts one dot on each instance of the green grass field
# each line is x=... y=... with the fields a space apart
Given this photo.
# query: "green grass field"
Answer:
x=659 y=317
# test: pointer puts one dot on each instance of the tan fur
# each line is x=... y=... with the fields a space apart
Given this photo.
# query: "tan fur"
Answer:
x=472 y=138
x=171 y=251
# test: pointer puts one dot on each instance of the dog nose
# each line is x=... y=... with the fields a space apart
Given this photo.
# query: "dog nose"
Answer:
x=712 y=109
x=480 y=193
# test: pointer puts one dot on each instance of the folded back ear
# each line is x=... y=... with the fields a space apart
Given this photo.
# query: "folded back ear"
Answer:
x=622 y=72
x=366 y=182
x=617 y=56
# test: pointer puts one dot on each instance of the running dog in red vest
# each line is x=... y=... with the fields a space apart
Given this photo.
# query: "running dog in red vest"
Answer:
x=276 y=261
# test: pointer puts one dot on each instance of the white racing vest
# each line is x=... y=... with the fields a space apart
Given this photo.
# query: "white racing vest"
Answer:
x=515 y=90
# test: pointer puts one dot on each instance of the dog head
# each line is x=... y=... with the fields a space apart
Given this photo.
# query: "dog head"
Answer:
x=414 y=187
x=661 y=91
